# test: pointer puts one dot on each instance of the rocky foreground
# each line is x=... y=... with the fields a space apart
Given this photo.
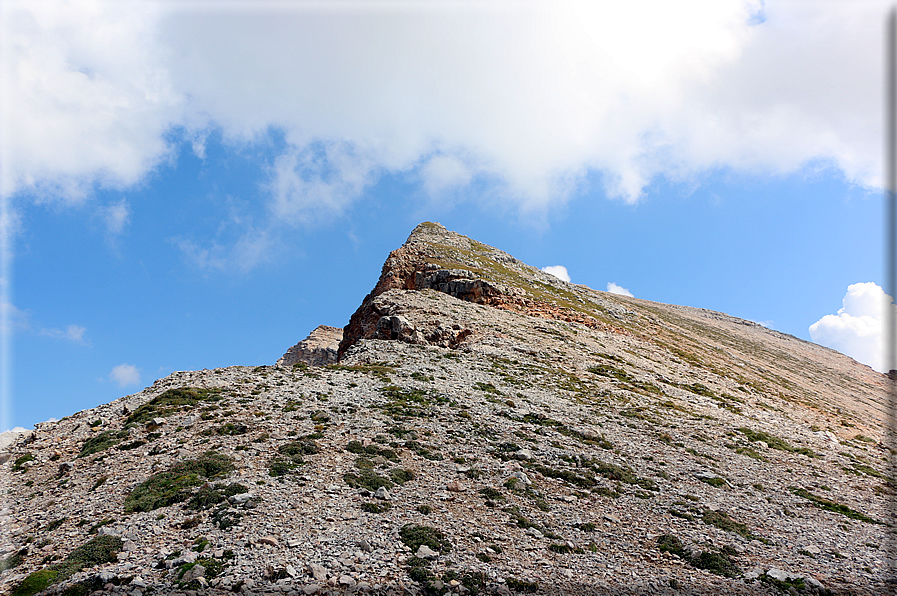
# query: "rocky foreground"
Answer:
x=488 y=429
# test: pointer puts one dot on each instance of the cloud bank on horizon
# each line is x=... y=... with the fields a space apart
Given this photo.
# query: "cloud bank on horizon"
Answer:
x=527 y=98
x=857 y=328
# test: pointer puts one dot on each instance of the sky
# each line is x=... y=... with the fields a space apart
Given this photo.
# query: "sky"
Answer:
x=196 y=184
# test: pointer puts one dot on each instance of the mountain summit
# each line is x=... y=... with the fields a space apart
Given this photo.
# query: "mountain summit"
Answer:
x=478 y=427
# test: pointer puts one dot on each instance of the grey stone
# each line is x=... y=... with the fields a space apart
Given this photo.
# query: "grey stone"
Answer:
x=317 y=571
x=425 y=552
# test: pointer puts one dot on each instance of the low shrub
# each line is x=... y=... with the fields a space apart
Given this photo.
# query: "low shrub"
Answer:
x=174 y=485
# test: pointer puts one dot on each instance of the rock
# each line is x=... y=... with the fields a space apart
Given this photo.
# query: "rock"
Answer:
x=524 y=454
x=382 y=494
x=318 y=349
x=425 y=552
x=346 y=580
x=66 y=467
x=188 y=557
x=194 y=572
x=240 y=499
x=310 y=589
x=318 y=572
x=269 y=540
x=365 y=546
x=534 y=533
x=779 y=574
x=138 y=583
x=291 y=571
x=455 y=486
x=523 y=478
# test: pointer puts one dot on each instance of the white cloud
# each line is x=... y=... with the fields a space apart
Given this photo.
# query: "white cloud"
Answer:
x=253 y=248
x=125 y=375
x=558 y=271
x=856 y=330
x=85 y=96
x=116 y=217
x=530 y=95
x=12 y=318
x=615 y=289
x=73 y=333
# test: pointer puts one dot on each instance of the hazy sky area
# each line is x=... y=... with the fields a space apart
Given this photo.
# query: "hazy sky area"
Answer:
x=192 y=185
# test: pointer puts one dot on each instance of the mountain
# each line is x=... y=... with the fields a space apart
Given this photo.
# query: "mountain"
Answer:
x=485 y=428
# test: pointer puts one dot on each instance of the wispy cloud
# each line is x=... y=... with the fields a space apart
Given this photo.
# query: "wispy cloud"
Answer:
x=73 y=333
x=252 y=249
x=125 y=375
x=116 y=217
x=615 y=289
x=558 y=271
x=856 y=329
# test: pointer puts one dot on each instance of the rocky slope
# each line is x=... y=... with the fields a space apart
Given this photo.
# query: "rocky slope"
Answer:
x=489 y=429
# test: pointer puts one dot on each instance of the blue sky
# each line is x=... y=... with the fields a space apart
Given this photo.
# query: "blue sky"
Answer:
x=194 y=185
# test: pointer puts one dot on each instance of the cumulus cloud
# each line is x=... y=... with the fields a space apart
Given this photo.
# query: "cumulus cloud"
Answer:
x=532 y=96
x=125 y=375
x=857 y=328
x=73 y=333
x=615 y=289
x=558 y=271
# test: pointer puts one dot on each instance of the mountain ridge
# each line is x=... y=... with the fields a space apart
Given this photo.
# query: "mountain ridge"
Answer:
x=486 y=429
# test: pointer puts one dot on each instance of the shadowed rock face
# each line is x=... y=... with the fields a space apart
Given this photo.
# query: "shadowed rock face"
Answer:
x=318 y=349
x=489 y=429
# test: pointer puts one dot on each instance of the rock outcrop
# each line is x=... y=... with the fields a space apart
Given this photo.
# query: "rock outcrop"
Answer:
x=489 y=429
x=319 y=348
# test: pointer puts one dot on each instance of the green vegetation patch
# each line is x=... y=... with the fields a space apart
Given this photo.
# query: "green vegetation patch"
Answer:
x=413 y=536
x=719 y=562
x=380 y=371
x=101 y=442
x=832 y=506
x=231 y=429
x=621 y=474
x=409 y=403
x=99 y=550
x=171 y=402
x=774 y=442
x=365 y=477
x=521 y=585
x=13 y=560
x=281 y=467
x=401 y=476
x=174 y=484
x=210 y=495
x=371 y=507
x=20 y=461
x=304 y=446
x=721 y=520
x=357 y=448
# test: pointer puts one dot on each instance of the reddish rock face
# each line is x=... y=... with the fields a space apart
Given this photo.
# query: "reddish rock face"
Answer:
x=437 y=259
